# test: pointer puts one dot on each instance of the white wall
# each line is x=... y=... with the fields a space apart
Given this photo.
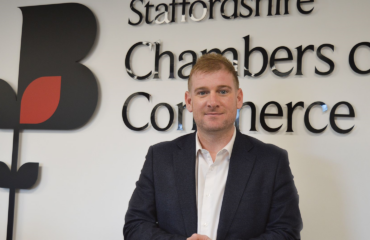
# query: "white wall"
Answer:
x=88 y=175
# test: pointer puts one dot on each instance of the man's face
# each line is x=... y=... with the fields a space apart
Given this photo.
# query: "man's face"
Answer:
x=214 y=100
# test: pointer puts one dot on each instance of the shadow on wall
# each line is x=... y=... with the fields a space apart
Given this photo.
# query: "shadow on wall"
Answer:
x=322 y=200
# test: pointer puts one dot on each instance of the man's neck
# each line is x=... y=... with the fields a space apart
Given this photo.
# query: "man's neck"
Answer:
x=215 y=141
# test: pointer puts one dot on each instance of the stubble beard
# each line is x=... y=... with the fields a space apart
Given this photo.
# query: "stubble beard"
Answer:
x=205 y=127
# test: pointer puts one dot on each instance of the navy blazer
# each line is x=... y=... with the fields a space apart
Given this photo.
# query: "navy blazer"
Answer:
x=260 y=200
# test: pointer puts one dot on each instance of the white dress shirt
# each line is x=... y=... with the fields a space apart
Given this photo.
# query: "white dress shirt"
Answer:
x=211 y=180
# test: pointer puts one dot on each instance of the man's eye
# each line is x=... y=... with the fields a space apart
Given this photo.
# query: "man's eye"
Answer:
x=223 y=91
x=202 y=93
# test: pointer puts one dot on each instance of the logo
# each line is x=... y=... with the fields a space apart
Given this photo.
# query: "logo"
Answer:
x=55 y=92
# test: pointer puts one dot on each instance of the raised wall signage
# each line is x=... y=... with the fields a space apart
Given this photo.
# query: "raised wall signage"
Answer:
x=54 y=90
x=166 y=13
x=248 y=50
x=263 y=115
x=242 y=8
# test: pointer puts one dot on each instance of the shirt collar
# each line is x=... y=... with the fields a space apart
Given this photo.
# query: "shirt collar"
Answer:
x=228 y=147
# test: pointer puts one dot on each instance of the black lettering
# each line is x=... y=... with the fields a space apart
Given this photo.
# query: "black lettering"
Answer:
x=180 y=109
x=127 y=62
x=211 y=5
x=247 y=55
x=333 y=115
x=165 y=18
x=191 y=14
x=325 y=59
x=286 y=12
x=153 y=114
x=352 y=58
x=278 y=7
x=264 y=114
x=235 y=57
x=125 y=114
x=147 y=10
x=270 y=8
x=235 y=14
x=253 y=116
x=205 y=51
x=257 y=8
x=181 y=57
x=180 y=125
x=158 y=57
x=173 y=4
x=300 y=9
x=307 y=117
x=183 y=10
x=300 y=56
x=290 y=114
x=274 y=59
x=250 y=10
x=137 y=12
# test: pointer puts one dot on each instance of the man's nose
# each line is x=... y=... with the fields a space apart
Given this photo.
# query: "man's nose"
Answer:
x=213 y=100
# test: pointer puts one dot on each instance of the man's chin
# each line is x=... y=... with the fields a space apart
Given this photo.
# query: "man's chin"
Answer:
x=214 y=128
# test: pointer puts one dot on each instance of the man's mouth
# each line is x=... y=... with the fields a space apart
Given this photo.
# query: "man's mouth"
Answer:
x=213 y=114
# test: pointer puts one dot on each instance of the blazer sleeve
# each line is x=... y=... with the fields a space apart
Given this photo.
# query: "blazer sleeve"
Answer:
x=141 y=217
x=285 y=222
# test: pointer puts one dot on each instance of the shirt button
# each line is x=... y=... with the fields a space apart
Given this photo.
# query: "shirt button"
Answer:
x=207 y=195
x=211 y=168
x=204 y=224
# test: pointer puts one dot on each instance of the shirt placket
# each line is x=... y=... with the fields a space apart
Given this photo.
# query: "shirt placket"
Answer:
x=207 y=206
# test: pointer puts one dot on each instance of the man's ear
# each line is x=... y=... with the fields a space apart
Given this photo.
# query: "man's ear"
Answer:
x=188 y=101
x=239 y=98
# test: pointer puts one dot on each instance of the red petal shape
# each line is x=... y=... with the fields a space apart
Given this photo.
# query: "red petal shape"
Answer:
x=40 y=100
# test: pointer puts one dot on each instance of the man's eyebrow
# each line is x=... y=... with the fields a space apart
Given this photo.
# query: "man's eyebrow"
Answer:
x=200 y=88
x=205 y=88
x=224 y=86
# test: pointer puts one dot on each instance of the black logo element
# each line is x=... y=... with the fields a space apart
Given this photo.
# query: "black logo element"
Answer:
x=54 y=90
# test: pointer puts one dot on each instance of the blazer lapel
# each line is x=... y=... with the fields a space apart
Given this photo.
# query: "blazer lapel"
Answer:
x=184 y=166
x=240 y=168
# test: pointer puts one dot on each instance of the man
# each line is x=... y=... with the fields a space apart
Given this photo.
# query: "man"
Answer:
x=216 y=183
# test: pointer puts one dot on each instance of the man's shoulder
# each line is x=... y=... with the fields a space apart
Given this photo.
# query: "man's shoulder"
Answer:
x=177 y=142
x=259 y=146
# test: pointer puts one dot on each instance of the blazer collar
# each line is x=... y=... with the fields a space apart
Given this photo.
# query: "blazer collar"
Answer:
x=240 y=169
x=184 y=167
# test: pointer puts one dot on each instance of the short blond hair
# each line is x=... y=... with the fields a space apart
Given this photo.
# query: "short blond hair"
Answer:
x=213 y=62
